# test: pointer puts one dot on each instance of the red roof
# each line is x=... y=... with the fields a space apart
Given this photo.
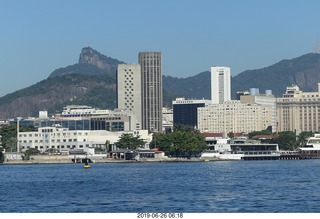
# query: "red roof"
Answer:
x=207 y=134
x=262 y=137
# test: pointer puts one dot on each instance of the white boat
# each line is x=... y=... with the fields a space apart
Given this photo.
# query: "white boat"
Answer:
x=240 y=149
x=312 y=148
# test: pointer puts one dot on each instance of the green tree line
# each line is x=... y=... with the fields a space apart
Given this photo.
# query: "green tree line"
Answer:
x=286 y=140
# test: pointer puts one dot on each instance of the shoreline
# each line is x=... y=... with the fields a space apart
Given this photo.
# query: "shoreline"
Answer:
x=171 y=160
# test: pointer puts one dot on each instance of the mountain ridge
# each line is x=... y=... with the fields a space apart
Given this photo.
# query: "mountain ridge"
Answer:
x=92 y=81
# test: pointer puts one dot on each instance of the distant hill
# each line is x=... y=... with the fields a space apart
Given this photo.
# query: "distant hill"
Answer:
x=303 y=71
x=92 y=81
x=54 y=93
x=197 y=87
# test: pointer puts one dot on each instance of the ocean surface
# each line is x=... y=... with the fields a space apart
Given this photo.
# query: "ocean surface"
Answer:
x=285 y=186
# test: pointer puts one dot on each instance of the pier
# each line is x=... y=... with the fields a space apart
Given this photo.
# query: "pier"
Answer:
x=290 y=155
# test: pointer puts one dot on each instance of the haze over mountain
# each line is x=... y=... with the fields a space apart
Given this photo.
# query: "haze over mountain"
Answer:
x=92 y=81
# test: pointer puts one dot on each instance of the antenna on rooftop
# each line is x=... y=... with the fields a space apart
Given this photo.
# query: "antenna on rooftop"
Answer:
x=316 y=46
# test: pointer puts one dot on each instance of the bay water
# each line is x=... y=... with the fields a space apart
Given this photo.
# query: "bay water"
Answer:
x=281 y=186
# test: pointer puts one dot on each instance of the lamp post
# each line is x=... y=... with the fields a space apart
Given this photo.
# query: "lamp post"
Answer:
x=18 y=145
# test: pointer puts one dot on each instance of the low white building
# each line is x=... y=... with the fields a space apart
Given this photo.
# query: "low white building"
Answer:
x=62 y=139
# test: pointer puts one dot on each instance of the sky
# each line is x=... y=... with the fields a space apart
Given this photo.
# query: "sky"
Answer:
x=39 y=36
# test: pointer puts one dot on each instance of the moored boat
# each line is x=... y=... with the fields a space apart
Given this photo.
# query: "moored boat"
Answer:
x=312 y=148
x=241 y=149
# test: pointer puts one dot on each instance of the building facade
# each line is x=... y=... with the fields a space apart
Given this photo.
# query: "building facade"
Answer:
x=267 y=100
x=220 y=84
x=185 y=112
x=129 y=90
x=151 y=82
x=234 y=116
x=299 y=111
x=85 y=118
x=167 y=119
x=61 y=139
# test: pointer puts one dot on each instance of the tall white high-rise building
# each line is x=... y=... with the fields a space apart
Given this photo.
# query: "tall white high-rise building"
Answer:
x=129 y=90
x=220 y=84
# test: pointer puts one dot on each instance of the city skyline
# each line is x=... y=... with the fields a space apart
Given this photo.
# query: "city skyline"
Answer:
x=39 y=37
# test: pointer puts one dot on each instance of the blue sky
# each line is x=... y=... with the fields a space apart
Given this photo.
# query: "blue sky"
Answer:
x=39 y=36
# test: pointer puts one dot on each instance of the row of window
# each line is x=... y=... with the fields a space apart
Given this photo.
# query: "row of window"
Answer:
x=52 y=134
x=52 y=140
x=55 y=147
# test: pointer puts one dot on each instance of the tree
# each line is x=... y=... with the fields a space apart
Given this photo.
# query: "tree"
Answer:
x=184 y=128
x=9 y=135
x=231 y=135
x=30 y=152
x=286 y=140
x=303 y=137
x=262 y=132
x=129 y=141
x=1 y=157
x=180 y=143
x=107 y=145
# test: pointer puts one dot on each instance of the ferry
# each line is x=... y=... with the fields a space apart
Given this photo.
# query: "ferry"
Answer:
x=312 y=148
x=240 y=149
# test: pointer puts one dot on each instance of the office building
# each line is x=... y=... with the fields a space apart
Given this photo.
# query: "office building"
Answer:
x=74 y=117
x=151 y=83
x=220 y=84
x=185 y=112
x=129 y=90
x=299 y=111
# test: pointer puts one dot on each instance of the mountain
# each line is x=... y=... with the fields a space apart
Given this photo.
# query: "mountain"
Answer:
x=92 y=81
x=91 y=62
x=197 y=87
x=54 y=93
x=303 y=71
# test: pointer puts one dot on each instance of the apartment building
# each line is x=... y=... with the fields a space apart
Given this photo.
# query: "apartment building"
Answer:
x=234 y=116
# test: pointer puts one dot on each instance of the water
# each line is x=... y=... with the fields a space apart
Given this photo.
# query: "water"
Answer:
x=189 y=187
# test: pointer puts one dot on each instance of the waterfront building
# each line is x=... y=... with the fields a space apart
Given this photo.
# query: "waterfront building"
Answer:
x=61 y=139
x=185 y=112
x=129 y=90
x=234 y=116
x=220 y=84
x=151 y=82
x=75 y=117
x=298 y=111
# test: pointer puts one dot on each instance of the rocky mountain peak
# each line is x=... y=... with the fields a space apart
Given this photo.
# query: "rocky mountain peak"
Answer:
x=91 y=62
x=93 y=57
